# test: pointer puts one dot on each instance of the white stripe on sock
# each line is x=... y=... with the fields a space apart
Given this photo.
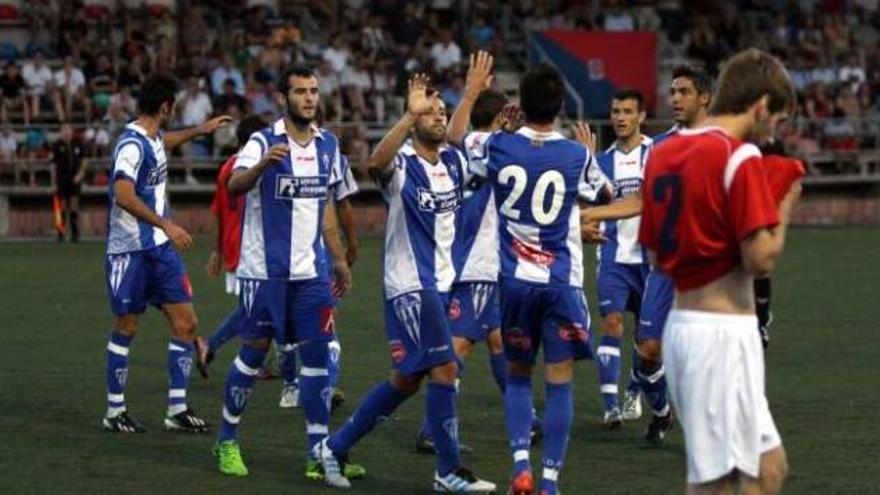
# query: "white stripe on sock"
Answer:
x=316 y=429
x=247 y=370
x=229 y=418
x=177 y=393
x=662 y=412
x=608 y=388
x=115 y=397
x=117 y=349
x=174 y=347
x=607 y=349
x=550 y=474
x=312 y=372
x=521 y=456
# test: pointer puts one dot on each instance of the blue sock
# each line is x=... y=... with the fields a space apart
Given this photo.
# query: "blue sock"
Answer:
x=378 y=404
x=314 y=391
x=287 y=364
x=608 y=362
x=558 y=414
x=499 y=370
x=226 y=330
x=333 y=366
x=426 y=427
x=653 y=383
x=519 y=413
x=443 y=425
x=239 y=387
x=117 y=371
x=180 y=360
x=633 y=385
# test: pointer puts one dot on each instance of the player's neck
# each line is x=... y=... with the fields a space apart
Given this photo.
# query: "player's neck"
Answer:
x=150 y=124
x=738 y=126
x=427 y=151
x=300 y=131
x=630 y=143
x=699 y=121
x=540 y=127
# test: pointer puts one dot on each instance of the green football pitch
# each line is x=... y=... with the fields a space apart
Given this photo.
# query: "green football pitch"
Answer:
x=54 y=320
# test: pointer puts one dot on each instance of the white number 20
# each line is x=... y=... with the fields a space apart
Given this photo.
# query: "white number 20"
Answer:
x=519 y=177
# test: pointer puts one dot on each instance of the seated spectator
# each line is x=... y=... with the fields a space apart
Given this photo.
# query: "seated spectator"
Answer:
x=452 y=92
x=445 y=53
x=195 y=108
x=38 y=82
x=225 y=73
x=102 y=78
x=134 y=72
x=331 y=91
x=481 y=35
x=70 y=88
x=337 y=54
x=356 y=83
x=851 y=72
x=124 y=101
x=12 y=93
x=229 y=97
x=408 y=30
x=9 y=154
x=617 y=19
x=262 y=99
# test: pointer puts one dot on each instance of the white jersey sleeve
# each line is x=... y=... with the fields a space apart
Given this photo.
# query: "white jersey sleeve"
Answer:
x=593 y=182
x=392 y=180
x=252 y=152
x=128 y=160
x=348 y=186
x=476 y=149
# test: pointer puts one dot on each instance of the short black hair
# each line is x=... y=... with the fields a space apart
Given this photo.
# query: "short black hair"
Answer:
x=487 y=106
x=631 y=94
x=158 y=88
x=248 y=126
x=541 y=92
x=701 y=79
x=297 y=71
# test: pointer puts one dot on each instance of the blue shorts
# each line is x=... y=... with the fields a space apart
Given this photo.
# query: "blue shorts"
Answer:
x=656 y=303
x=290 y=311
x=155 y=276
x=418 y=331
x=532 y=314
x=620 y=287
x=474 y=310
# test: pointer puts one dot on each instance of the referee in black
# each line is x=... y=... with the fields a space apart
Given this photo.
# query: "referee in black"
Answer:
x=67 y=155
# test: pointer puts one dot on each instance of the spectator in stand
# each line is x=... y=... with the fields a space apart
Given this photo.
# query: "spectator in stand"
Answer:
x=356 y=83
x=262 y=98
x=70 y=88
x=195 y=109
x=67 y=154
x=337 y=54
x=616 y=18
x=481 y=36
x=102 y=78
x=373 y=36
x=225 y=73
x=134 y=73
x=408 y=31
x=12 y=94
x=445 y=53
x=453 y=91
x=851 y=72
x=229 y=97
x=9 y=153
x=330 y=87
x=38 y=82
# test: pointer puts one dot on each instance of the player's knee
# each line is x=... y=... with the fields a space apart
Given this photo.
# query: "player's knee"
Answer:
x=516 y=368
x=613 y=325
x=185 y=326
x=650 y=353
x=496 y=345
x=126 y=325
x=445 y=373
x=561 y=372
x=462 y=347
x=406 y=384
x=774 y=471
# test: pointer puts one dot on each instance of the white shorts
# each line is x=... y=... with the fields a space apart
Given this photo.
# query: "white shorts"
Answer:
x=231 y=283
x=715 y=370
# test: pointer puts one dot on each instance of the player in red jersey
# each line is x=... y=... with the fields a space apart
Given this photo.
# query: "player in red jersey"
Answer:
x=227 y=212
x=711 y=223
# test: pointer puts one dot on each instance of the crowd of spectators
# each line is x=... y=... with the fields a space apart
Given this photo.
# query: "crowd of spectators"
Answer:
x=85 y=59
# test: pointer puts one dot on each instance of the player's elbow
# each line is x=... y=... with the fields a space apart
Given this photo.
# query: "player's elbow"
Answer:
x=761 y=263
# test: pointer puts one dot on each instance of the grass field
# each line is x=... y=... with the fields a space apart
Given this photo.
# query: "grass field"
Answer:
x=54 y=320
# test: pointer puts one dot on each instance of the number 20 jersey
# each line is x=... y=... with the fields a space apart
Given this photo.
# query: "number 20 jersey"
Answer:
x=704 y=193
x=537 y=178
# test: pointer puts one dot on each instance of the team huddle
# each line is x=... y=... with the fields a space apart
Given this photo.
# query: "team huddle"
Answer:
x=487 y=214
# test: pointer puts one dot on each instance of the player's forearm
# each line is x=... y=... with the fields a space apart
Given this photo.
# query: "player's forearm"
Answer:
x=346 y=221
x=242 y=181
x=331 y=234
x=172 y=139
x=126 y=199
x=380 y=161
x=218 y=239
x=628 y=207
x=461 y=117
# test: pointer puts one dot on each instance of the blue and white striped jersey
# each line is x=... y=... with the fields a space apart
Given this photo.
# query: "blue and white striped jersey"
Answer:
x=348 y=185
x=475 y=251
x=626 y=171
x=423 y=199
x=537 y=179
x=282 y=224
x=140 y=159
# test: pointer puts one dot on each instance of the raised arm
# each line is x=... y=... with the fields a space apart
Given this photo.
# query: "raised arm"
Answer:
x=479 y=78
x=380 y=163
x=172 y=139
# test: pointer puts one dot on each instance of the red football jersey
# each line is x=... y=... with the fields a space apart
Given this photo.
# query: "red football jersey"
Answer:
x=228 y=210
x=782 y=172
x=704 y=193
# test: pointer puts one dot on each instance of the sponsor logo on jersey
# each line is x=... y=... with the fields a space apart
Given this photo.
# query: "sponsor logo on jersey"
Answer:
x=289 y=187
x=517 y=338
x=157 y=174
x=438 y=202
x=573 y=332
x=533 y=254
x=625 y=187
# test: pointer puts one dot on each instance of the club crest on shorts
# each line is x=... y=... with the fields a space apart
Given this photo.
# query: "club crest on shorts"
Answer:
x=248 y=294
x=454 y=309
x=118 y=266
x=573 y=332
x=398 y=351
x=408 y=309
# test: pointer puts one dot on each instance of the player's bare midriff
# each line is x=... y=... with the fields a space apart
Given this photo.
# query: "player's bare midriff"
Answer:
x=731 y=294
